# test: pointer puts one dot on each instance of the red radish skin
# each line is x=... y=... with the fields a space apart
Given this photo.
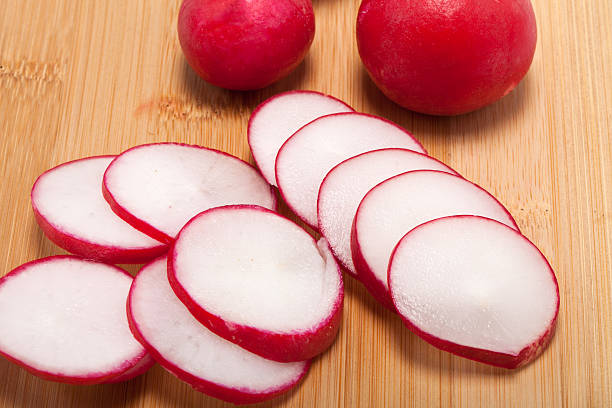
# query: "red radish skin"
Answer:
x=306 y=157
x=446 y=58
x=499 y=359
x=242 y=173
x=279 y=117
x=139 y=249
x=366 y=269
x=93 y=377
x=346 y=184
x=138 y=369
x=245 y=45
x=233 y=394
x=282 y=346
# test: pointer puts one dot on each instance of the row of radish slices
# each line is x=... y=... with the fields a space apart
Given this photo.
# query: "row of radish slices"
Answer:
x=236 y=299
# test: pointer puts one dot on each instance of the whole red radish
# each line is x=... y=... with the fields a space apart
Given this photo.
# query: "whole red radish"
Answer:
x=443 y=57
x=242 y=45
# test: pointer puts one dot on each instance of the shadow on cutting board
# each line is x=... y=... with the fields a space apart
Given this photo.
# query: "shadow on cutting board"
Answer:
x=427 y=127
x=205 y=97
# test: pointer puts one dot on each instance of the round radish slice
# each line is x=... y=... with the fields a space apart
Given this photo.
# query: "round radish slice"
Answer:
x=63 y=318
x=258 y=280
x=346 y=184
x=196 y=355
x=476 y=288
x=399 y=204
x=70 y=209
x=308 y=155
x=157 y=188
x=277 y=118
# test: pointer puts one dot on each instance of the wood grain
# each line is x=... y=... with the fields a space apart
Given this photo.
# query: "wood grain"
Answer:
x=84 y=77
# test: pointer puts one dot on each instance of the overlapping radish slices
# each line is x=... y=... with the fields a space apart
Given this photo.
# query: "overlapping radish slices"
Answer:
x=244 y=298
x=69 y=207
x=364 y=200
x=195 y=354
x=268 y=297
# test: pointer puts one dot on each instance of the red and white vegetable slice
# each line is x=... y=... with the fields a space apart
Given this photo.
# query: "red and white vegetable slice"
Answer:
x=258 y=280
x=403 y=202
x=157 y=188
x=196 y=355
x=139 y=368
x=279 y=117
x=63 y=319
x=476 y=288
x=307 y=156
x=70 y=209
x=346 y=184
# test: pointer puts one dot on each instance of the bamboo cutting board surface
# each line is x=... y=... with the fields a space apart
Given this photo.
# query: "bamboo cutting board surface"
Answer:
x=84 y=77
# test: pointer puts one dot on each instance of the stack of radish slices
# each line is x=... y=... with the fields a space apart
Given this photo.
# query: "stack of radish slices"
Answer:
x=427 y=243
x=235 y=299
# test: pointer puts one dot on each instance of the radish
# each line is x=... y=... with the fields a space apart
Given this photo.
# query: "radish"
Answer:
x=279 y=117
x=63 y=319
x=307 y=156
x=158 y=187
x=399 y=204
x=446 y=57
x=70 y=209
x=346 y=184
x=258 y=280
x=193 y=353
x=245 y=44
x=476 y=288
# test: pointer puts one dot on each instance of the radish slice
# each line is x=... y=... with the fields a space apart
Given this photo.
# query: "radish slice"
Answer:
x=70 y=209
x=196 y=355
x=346 y=184
x=308 y=155
x=63 y=319
x=277 y=118
x=476 y=288
x=139 y=368
x=157 y=188
x=258 y=280
x=399 y=204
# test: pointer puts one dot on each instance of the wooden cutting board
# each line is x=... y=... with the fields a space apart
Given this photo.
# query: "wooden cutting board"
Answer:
x=85 y=77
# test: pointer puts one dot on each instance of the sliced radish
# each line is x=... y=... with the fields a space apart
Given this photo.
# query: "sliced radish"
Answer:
x=476 y=288
x=399 y=204
x=157 y=188
x=277 y=118
x=70 y=209
x=139 y=368
x=346 y=184
x=308 y=155
x=258 y=280
x=63 y=319
x=196 y=355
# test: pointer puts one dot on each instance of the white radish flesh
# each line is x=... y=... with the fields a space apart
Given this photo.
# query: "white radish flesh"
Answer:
x=399 y=204
x=346 y=184
x=69 y=206
x=279 y=117
x=157 y=188
x=476 y=288
x=196 y=355
x=259 y=280
x=308 y=155
x=63 y=319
